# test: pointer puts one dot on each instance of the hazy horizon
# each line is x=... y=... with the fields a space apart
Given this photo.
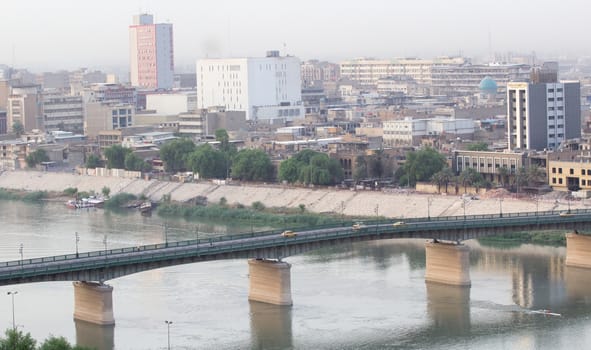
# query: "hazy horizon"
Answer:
x=67 y=34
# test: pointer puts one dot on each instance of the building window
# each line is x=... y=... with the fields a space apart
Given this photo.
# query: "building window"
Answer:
x=553 y=180
x=553 y=170
x=572 y=171
x=560 y=181
x=560 y=170
x=583 y=183
x=582 y=171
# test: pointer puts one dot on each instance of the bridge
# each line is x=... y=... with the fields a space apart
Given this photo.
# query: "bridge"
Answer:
x=447 y=258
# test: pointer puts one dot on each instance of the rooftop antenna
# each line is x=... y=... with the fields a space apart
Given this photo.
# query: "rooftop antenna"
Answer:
x=490 y=55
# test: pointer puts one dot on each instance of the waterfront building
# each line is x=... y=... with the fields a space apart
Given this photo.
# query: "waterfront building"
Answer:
x=265 y=88
x=151 y=53
x=543 y=115
x=99 y=116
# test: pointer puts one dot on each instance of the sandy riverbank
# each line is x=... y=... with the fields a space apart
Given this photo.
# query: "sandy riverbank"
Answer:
x=390 y=203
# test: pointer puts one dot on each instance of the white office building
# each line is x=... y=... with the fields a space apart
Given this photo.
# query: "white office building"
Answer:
x=266 y=88
x=410 y=132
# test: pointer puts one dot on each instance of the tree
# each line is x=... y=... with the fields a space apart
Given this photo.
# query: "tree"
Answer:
x=59 y=343
x=116 y=156
x=310 y=167
x=421 y=165
x=175 y=154
x=478 y=146
x=503 y=175
x=443 y=177
x=469 y=177
x=134 y=163
x=252 y=165
x=106 y=191
x=93 y=161
x=360 y=171
x=207 y=162
x=222 y=136
x=535 y=175
x=18 y=128
x=16 y=340
x=36 y=157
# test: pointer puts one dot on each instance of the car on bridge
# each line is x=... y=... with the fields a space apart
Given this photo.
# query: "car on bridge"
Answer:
x=399 y=223
x=565 y=214
x=357 y=225
x=288 y=234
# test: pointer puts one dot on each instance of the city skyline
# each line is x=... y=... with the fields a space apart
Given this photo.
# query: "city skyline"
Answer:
x=65 y=34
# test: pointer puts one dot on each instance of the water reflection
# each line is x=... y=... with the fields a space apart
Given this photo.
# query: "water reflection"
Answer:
x=578 y=283
x=95 y=336
x=449 y=308
x=270 y=326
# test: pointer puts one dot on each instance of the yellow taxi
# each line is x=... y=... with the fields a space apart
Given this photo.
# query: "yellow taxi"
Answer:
x=288 y=234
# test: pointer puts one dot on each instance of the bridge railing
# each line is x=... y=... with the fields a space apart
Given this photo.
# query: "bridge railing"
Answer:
x=433 y=223
x=151 y=253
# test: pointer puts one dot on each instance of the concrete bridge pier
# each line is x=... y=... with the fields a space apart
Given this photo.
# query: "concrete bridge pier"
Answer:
x=93 y=302
x=447 y=263
x=578 y=250
x=270 y=281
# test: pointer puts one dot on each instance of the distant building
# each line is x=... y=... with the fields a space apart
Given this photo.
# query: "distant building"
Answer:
x=110 y=93
x=151 y=53
x=107 y=116
x=63 y=112
x=367 y=72
x=204 y=122
x=543 y=115
x=25 y=106
x=266 y=88
x=489 y=163
x=315 y=73
x=3 y=124
x=410 y=132
x=172 y=103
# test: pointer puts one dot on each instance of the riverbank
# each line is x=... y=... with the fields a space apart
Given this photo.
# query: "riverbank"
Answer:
x=389 y=203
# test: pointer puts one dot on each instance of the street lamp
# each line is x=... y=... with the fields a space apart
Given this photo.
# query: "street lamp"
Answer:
x=20 y=250
x=77 y=240
x=501 y=207
x=377 y=210
x=429 y=201
x=464 y=207
x=168 y=323
x=343 y=212
x=165 y=235
x=12 y=294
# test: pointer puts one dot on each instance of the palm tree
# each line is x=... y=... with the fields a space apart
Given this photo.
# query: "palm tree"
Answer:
x=503 y=174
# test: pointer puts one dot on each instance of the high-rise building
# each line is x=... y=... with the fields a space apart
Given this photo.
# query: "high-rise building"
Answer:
x=63 y=112
x=151 y=53
x=543 y=115
x=266 y=88
x=25 y=106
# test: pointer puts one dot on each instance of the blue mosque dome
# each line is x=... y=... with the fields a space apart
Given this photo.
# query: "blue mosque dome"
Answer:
x=488 y=85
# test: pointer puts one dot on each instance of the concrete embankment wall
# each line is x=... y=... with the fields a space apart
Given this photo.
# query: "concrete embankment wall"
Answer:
x=393 y=203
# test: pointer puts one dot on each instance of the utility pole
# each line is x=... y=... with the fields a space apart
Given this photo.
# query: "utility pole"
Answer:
x=77 y=240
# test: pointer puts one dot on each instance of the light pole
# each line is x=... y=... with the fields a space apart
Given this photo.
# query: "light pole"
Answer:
x=168 y=323
x=342 y=212
x=429 y=201
x=165 y=235
x=501 y=207
x=12 y=294
x=77 y=240
x=20 y=250
x=377 y=210
x=464 y=207
x=537 y=205
x=568 y=201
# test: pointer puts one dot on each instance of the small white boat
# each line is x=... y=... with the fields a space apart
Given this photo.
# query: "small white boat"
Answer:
x=545 y=312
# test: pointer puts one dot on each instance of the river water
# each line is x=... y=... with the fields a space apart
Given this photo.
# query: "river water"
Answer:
x=363 y=296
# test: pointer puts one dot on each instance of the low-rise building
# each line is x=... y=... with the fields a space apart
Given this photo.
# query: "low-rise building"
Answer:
x=489 y=163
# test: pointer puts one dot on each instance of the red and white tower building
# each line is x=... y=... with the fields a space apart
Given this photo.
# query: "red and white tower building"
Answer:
x=151 y=53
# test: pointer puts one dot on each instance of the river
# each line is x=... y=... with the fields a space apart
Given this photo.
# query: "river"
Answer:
x=363 y=296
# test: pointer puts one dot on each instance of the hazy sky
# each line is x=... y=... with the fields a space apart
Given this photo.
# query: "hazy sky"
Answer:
x=65 y=34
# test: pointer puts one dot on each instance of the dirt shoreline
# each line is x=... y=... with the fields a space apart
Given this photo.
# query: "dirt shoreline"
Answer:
x=387 y=203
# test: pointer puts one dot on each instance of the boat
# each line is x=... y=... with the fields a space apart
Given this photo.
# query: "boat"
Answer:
x=145 y=207
x=91 y=202
x=545 y=312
